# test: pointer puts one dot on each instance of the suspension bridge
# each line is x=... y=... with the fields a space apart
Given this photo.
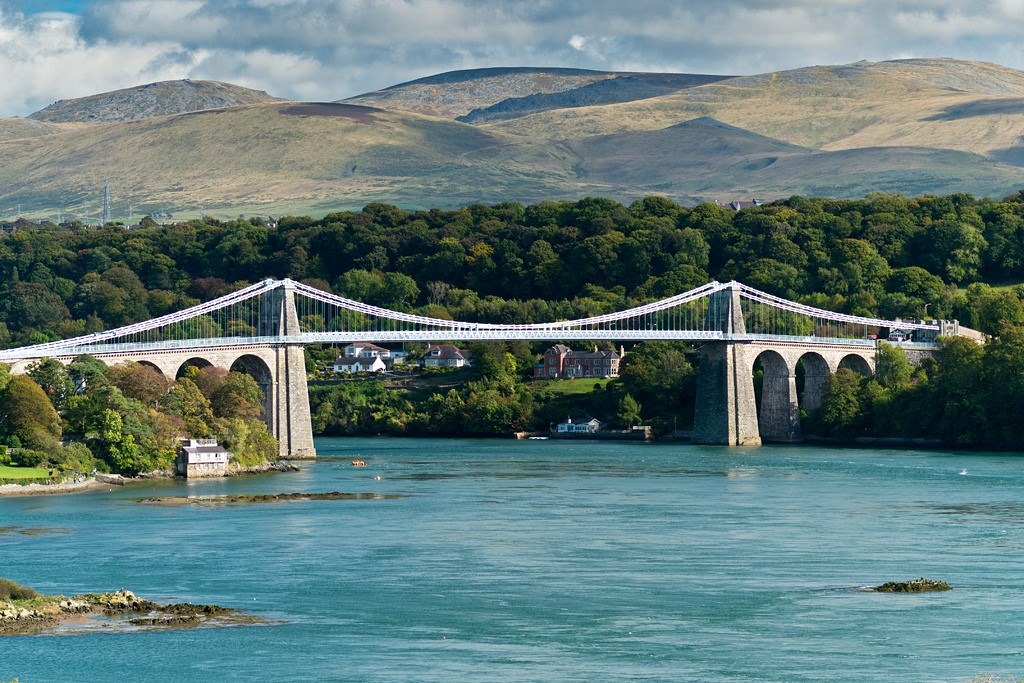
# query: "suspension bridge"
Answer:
x=262 y=329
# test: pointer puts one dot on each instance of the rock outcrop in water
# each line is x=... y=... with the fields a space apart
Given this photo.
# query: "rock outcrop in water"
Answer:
x=25 y=612
x=921 y=585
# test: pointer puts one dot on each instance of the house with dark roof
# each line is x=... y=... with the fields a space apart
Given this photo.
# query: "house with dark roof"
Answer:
x=739 y=204
x=562 y=361
x=552 y=363
x=446 y=356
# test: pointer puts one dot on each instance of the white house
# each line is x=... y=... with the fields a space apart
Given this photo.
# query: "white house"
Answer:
x=569 y=427
x=366 y=350
x=445 y=356
x=348 y=365
x=202 y=458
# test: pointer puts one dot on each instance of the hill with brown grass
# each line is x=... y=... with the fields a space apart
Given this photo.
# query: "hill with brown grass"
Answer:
x=911 y=126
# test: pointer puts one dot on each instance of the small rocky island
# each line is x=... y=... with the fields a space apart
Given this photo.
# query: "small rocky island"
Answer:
x=913 y=586
x=264 y=498
x=23 y=611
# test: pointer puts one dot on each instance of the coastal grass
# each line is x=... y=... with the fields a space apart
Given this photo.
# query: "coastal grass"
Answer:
x=11 y=590
x=10 y=472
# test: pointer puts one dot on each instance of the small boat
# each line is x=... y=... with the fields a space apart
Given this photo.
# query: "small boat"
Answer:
x=358 y=463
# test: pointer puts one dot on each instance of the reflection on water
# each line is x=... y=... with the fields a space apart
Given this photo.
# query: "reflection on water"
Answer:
x=31 y=531
x=1010 y=511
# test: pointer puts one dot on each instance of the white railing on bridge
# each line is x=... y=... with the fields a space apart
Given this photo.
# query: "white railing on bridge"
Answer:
x=635 y=324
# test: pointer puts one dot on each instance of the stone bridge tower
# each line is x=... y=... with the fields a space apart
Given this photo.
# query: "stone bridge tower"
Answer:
x=277 y=365
x=726 y=411
x=288 y=413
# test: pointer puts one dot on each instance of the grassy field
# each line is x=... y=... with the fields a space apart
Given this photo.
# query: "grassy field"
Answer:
x=8 y=472
x=573 y=387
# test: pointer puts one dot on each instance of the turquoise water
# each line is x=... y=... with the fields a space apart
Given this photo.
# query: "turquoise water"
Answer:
x=548 y=561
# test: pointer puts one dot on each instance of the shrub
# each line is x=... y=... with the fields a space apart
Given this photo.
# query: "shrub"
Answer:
x=25 y=457
x=9 y=590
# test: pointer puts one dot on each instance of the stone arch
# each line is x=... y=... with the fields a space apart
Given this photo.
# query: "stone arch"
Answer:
x=195 y=362
x=857 y=363
x=778 y=412
x=152 y=366
x=257 y=368
x=815 y=373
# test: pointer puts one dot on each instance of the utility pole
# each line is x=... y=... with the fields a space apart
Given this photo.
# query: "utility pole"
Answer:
x=107 y=203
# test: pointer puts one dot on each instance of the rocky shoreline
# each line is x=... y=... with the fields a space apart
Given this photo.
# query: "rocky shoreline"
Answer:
x=90 y=484
x=119 y=610
x=99 y=482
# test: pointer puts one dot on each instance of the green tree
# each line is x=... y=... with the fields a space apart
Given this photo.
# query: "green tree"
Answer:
x=237 y=396
x=492 y=360
x=117 y=446
x=34 y=306
x=249 y=440
x=629 y=411
x=186 y=401
x=959 y=413
x=841 y=409
x=398 y=291
x=52 y=376
x=26 y=412
x=144 y=383
x=892 y=368
x=1002 y=387
x=659 y=374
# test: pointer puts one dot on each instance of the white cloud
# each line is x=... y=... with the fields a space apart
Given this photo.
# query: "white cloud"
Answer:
x=44 y=59
x=329 y=49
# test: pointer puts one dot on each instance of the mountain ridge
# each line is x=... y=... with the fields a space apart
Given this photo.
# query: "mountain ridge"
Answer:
x=151 y=99
x=929 y=125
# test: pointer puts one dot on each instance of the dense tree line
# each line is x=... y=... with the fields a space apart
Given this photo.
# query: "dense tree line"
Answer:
x=494 y=397
x=967 y=395
x=126 y=418
x=885 y=255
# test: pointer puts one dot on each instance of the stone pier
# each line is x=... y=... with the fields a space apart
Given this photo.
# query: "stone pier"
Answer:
x=291 y=417
x=726 y=411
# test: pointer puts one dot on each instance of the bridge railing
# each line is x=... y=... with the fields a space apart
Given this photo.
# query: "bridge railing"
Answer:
x=198 y=345
x=690 y=316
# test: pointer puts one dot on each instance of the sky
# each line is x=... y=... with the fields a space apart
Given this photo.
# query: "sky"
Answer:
x=326 y=50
